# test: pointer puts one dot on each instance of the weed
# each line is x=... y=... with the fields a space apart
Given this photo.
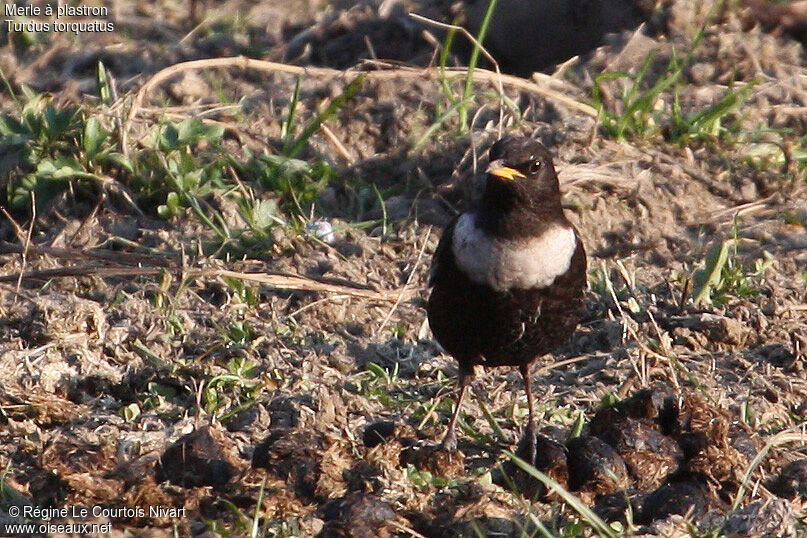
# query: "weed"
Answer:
x=176 y=172
x=382 y=374
x=295 y=182
x=103 y=84
x=159 y=396
x=587 y=515
x=707 y=124
x=602 y=284
x=473 y=60
x=638 y=106
x=282 y=529
x=723 y=276
x=439 y=122
x=769 y=148
x=227 y=394
x=292 y=149
x=255 y=531
x=459 y=105
x=642 y=113
x=424 y=479
x=244 y=292
x=49 y=149
x=240 y=333
x=378 y=384
x=46 y=150
x=237 y=524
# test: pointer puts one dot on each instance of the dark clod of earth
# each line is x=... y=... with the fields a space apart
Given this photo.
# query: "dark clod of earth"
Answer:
x=791 y=482
x=378 y=432
x=357 y=515
x=655 y=453
x=200 y=458
x=292 y=457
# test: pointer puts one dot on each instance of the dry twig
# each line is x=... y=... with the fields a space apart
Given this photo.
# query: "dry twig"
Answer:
x=272 y=280
x=242 y=62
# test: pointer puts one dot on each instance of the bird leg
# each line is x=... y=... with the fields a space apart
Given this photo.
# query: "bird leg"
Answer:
x=450 y=440
x=530 y=432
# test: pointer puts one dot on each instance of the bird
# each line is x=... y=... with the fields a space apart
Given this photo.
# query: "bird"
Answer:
x=552 y=31
x=507 y=277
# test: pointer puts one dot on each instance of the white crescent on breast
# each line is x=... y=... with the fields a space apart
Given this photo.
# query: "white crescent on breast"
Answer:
x=504 y=264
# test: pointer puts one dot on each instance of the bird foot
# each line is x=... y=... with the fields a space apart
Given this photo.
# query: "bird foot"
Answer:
x=528 y=445
x=449 y=442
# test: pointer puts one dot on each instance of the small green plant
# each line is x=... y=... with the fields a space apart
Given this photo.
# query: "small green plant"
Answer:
x=294 y=181
x=723 y=275
x=293 y=148
x=380 y=374
x=637 y=117
x=641 y=111
x=240 y=333
x=424 y=479
x=243 y=291
x=183 y=176
x=227 y=394
x=458 y=101
x=47 y=149
x=769 y=148
x=160 y=396
x=706 y=124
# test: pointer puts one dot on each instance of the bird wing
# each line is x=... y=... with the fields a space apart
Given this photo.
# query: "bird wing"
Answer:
x=443 y=252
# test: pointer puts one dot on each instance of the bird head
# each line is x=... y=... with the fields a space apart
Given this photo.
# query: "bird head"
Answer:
x=521 y=172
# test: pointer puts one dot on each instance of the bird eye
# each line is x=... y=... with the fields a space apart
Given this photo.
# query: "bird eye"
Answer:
x=533 y=166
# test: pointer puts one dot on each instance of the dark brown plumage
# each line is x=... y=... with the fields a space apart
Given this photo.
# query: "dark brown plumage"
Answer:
x=508 y=276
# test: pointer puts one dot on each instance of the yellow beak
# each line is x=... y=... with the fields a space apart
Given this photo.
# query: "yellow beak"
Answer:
x=506 y=172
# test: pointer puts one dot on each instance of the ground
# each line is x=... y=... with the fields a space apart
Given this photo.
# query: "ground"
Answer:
x=213 y=282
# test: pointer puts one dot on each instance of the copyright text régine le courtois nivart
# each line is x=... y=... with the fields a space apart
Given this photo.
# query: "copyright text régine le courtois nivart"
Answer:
x=47 y=514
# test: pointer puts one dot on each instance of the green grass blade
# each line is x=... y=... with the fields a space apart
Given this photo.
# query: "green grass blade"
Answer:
x=102 y=83
x=633 y=91
x=287 y=128
x=709 y=277
x=438 y=123
x=324 y=114
x=707 y=120
x=473 y=60
x=597 y=524
x=444 y=54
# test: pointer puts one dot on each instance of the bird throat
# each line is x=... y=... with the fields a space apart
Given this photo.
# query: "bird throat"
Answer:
x=506 y=212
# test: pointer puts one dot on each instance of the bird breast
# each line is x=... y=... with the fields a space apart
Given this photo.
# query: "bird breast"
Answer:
x=504 y=264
